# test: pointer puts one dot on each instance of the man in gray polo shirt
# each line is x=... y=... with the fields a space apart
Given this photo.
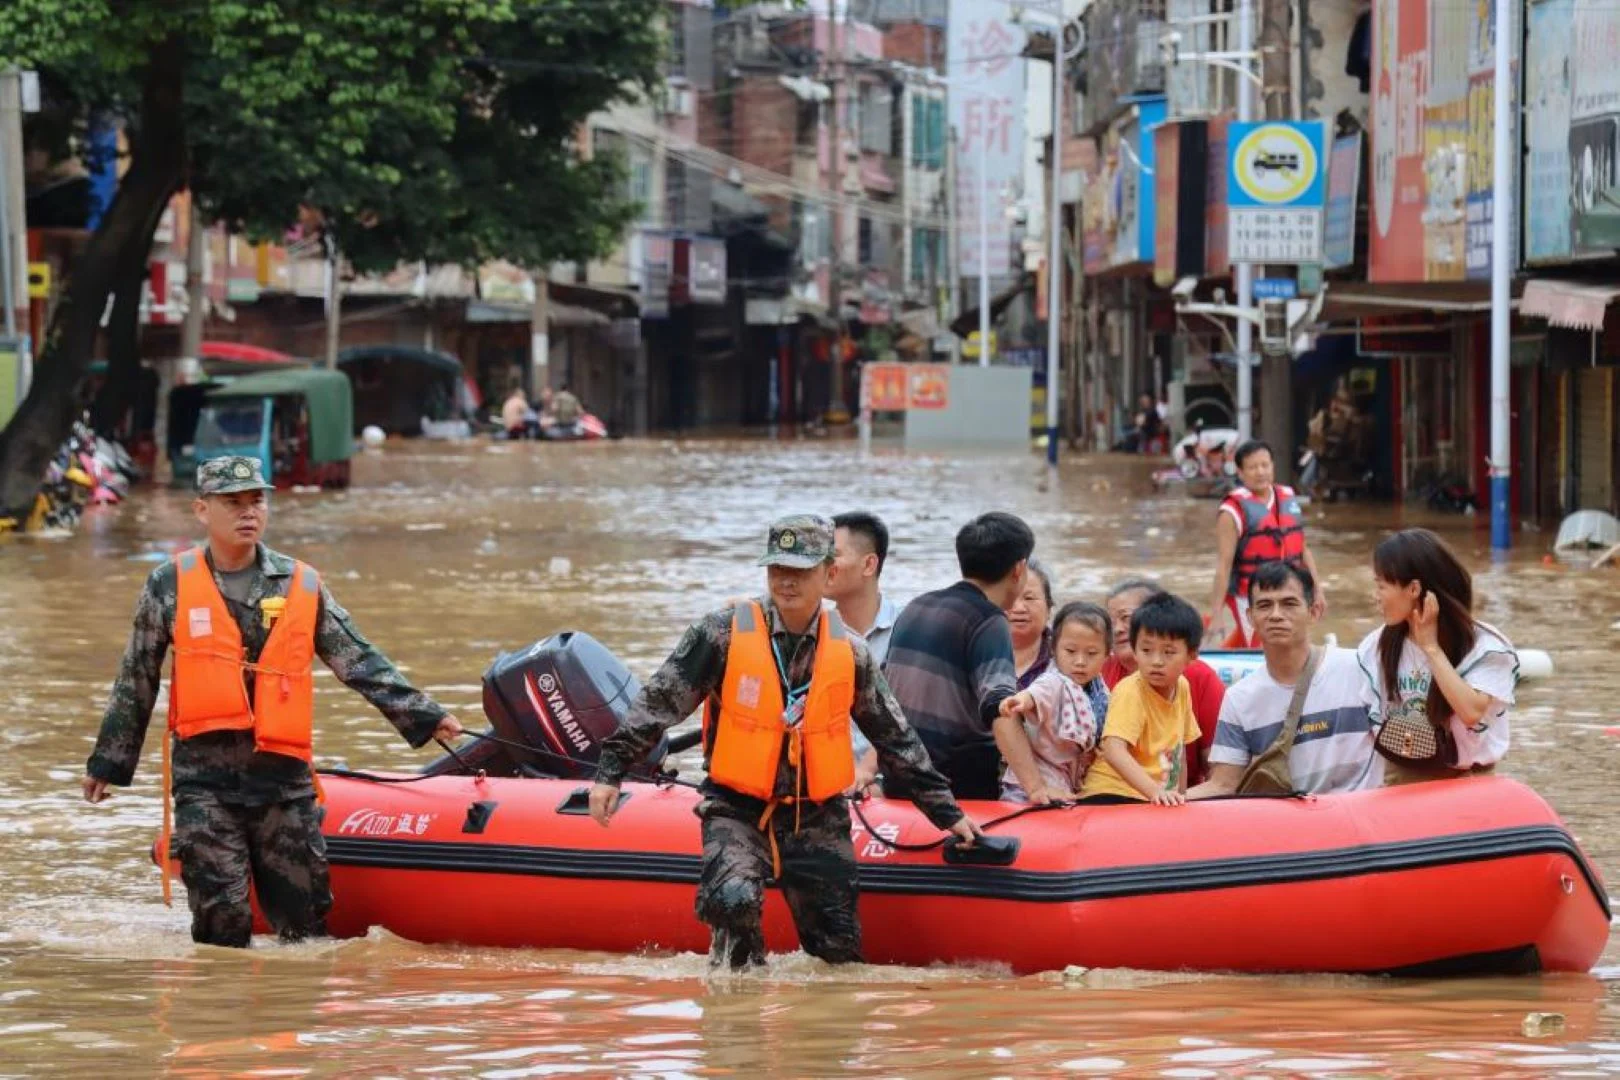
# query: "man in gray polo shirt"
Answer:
x=1332 y=749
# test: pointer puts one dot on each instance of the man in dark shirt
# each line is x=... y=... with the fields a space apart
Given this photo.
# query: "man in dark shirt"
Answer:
x=950 y=660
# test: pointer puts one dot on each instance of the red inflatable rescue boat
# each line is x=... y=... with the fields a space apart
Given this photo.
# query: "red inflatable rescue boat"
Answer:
x=1468 y=875
x=1474 y=875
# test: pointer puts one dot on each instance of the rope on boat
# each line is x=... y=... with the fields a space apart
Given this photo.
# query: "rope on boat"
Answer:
x=659 y=779
x=855 y=805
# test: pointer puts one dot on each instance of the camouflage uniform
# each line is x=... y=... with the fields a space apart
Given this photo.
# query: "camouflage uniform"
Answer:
x=240 y=814
x=818 y=857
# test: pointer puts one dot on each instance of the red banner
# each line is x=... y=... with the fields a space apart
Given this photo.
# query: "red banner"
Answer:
x=886 y=386
x=930 y=386
x=1398 y=187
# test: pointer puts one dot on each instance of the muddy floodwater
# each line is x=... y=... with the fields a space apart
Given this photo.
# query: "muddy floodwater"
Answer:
x=447 y=554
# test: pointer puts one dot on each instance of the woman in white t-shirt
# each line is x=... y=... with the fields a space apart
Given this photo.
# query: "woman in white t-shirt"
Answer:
x=1433 y=661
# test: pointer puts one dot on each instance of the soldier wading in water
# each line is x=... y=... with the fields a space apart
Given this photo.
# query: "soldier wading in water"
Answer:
x=245 y=623
x=782 y=679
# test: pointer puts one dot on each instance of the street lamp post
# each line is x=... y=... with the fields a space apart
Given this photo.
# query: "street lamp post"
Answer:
x=1244 y=271
x=1054 y=229
x=1501 y=466
x=984 y=249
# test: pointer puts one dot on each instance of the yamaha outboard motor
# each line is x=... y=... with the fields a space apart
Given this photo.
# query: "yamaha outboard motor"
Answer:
x=563 y=696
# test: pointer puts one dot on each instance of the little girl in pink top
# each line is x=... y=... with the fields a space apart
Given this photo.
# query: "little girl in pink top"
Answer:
x=1062 y=712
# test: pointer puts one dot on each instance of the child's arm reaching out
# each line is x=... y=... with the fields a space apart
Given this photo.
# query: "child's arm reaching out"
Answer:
x=1117 y=752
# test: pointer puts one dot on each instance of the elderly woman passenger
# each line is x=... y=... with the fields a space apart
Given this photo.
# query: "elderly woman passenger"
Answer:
x=1029 y=619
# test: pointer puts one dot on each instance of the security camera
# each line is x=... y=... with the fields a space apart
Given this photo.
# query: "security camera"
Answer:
x=1220 y=295
x=1183 y=289
x=1170 y=47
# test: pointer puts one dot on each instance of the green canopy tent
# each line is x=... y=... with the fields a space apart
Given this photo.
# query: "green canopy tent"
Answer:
x=396 y=387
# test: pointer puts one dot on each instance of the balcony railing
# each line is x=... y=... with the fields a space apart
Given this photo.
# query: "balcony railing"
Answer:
x=1194 y=29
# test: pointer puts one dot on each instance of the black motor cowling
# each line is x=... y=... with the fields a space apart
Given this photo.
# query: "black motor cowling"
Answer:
x=562 y=696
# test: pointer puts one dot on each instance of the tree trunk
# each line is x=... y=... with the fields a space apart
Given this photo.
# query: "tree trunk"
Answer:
x=117 y=394
x=156 y=171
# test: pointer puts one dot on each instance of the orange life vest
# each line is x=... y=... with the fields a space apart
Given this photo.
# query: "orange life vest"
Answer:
x=208 y=692
x=1274 y=530
x=747 y=732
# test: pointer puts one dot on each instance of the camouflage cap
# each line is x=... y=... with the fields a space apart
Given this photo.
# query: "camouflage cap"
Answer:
x=801 y=541
x=228 y=475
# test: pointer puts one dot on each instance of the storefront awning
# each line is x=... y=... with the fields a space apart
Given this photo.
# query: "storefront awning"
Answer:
x=1357 y=299
x=560 y=316
x=1572 y=304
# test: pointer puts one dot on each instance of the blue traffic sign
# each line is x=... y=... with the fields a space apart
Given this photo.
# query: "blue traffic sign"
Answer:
x=1275 y=288
x=1277 y=165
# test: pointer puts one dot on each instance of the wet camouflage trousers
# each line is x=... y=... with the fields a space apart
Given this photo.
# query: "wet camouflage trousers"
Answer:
x=276 y=850
x=818 y=879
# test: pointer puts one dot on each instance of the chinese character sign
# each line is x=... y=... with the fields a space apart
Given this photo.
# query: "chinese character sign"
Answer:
x=1400 y=90
x=1481 y=204
x=1547 y=187
x=886 y=386
x=930 y=386
x=987 y=111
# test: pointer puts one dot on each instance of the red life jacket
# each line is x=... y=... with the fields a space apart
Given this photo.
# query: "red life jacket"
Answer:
x=1269 y=532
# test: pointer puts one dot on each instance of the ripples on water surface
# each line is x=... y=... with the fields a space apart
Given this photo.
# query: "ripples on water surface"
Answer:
x=447 y=554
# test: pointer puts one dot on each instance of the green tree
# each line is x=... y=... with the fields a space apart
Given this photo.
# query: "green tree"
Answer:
x=438 y=130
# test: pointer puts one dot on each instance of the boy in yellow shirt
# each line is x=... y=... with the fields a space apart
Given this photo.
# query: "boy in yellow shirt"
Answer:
x=1150 y=716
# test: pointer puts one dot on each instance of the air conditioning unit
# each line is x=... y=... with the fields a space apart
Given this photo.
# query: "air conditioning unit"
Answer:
x=677 y=100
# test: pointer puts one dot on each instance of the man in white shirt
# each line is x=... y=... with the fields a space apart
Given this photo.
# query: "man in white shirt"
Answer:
x=860 y=548
x=1333 y=743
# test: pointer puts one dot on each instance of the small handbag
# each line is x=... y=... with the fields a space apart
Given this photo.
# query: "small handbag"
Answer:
x=1412 y=739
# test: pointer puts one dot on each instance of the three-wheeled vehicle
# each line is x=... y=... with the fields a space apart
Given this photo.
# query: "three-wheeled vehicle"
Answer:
x=297 y=422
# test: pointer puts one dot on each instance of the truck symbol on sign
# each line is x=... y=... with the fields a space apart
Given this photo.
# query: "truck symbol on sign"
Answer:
x=1276 y=161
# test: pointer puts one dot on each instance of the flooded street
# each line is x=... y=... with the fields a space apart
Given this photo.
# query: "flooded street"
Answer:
x=447 y=554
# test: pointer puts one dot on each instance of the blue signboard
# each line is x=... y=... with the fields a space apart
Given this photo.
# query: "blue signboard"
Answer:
x=1150 y=113
x=1277 y=165
x=1344 y=182
x=1276 y=189
x=1275 y=289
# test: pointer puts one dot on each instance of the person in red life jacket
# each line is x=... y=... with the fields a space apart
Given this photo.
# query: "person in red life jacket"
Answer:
x=783 y=680
x=245 y=623
x=1204 y=681
x=1258 y=522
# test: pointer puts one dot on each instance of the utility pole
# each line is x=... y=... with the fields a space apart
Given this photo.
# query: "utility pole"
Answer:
x=1243 y=271
x=334 y=302
x=540 y=336
x=1054 y=272
x=1277 y=370
x=953 y=241
x=191 y=331
x=836 y=411
x=984 y=249
x=1502 y=231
